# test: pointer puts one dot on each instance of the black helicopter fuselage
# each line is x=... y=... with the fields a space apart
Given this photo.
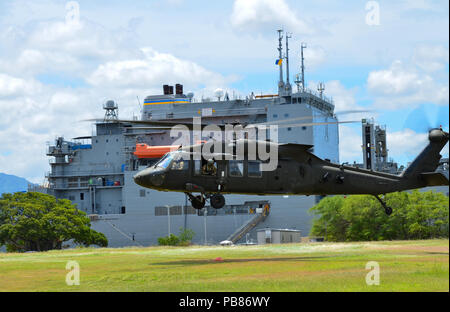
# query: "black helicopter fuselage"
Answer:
x=298 y=172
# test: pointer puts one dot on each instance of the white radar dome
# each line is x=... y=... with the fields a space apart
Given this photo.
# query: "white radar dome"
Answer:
x=218 y=93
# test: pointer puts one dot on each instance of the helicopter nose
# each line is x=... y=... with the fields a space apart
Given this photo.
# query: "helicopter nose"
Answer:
x=149 y=178
x=138 y=178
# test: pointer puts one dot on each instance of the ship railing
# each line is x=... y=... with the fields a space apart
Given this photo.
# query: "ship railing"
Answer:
x=90 y=173
x=76 y=186
x=55 y=151
x=211 y=113
x=320 y=96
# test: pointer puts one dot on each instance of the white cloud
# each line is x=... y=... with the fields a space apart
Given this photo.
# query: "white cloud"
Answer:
x=152 y=69
x=431 y=58
x=403 y=85
x=395 y=80
x=314 y=56
x=350 y=142
x=84 y=39
x=261 y=15
x=405 y=143
x=12 y=86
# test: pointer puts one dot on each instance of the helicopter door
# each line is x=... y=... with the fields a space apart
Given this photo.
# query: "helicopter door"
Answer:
x=235 y=175
x=178 y=171
x=205 y=168
x=255 y=176
x=205 y=173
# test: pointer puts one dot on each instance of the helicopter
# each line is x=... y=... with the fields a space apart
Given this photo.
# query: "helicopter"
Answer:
x=297 y=172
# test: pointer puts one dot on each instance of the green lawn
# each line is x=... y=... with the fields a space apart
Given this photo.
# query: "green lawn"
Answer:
x=404 y=266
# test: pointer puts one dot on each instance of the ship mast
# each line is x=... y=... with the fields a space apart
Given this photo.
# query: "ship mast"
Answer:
x=288 y=85
x=280 y=49
x=303 y=46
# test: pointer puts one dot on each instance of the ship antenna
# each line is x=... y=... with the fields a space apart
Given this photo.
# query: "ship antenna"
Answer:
x=288 y=85
x=321 y=88
x=280 y=49
x=111 y=111
x=139 y=103
x=303 y=46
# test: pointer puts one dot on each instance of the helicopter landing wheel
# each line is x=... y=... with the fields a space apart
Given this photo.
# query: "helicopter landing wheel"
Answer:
x=198 y=202
x=217 y=201
x=388 y=210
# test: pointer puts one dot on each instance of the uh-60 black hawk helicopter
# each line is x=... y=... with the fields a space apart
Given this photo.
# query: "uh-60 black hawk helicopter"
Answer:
x=298 y=171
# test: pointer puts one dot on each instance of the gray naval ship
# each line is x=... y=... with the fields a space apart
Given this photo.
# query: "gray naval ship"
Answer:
x=96 y=172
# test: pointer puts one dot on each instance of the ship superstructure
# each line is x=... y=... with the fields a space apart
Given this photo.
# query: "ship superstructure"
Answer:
x=96 y=172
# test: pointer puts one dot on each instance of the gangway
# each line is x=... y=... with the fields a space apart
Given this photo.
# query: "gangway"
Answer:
x=260 y=215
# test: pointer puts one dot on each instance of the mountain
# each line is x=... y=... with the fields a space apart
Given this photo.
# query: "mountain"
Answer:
x=12 y=184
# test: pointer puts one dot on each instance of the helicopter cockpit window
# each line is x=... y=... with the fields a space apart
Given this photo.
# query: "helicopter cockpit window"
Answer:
x=179 y=163
x=236 y=168
x=254 y=169
x=165 y=161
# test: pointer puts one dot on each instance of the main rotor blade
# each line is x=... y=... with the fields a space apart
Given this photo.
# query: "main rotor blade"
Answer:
x=169 y=125
x=354 y=111
x=310 y=124
x=309 y=117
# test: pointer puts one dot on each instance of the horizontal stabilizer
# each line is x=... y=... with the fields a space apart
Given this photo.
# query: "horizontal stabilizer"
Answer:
x=434 y=178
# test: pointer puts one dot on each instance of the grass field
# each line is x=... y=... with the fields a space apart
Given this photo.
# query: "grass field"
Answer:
x=404 y=266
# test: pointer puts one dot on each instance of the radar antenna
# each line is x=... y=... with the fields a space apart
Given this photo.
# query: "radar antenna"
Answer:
x=321 y=88
x=111 y=111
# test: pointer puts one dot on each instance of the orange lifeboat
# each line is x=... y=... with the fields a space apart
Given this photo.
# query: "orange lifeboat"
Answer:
x=145 y=151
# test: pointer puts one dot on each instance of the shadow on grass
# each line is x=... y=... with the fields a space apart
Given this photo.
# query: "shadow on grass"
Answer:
x=210 y=261
x=436 y=253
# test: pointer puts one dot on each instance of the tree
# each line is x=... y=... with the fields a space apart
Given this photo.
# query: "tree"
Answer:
x=416 y=215
x=38 y=222
x=183 y=239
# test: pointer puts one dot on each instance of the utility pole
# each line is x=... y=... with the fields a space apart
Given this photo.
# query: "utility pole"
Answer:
x=204 y=219
x=168 y=218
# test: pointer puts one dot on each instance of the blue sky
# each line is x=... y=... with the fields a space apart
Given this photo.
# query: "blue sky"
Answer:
x=57 y=69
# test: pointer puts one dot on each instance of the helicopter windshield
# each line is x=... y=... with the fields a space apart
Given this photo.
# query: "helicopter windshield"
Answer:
x=165 y=161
